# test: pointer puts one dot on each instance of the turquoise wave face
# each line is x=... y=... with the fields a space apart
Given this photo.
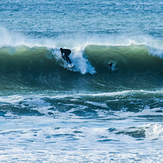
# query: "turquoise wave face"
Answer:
x=103 y=68
x=133 y=58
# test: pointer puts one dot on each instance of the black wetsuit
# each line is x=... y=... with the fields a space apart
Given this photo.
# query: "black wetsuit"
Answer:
x=66 y=54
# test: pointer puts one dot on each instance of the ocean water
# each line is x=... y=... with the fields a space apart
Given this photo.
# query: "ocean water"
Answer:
x=91 y=112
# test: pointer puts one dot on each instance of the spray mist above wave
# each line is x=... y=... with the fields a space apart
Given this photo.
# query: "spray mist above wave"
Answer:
x=79 y=42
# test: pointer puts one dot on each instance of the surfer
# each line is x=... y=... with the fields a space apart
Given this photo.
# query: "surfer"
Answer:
x=109 y=65
x=65 y=53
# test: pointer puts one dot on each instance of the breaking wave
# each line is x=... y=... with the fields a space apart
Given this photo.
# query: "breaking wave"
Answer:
x=95 y=67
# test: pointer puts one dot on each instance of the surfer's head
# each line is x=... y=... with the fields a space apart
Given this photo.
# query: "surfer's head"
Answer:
x=61 y=49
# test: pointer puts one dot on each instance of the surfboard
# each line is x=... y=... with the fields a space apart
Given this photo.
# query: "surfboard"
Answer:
x=70 y=65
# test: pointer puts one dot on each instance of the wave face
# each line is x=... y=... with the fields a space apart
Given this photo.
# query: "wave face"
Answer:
x=43 y=68
x=132 y=66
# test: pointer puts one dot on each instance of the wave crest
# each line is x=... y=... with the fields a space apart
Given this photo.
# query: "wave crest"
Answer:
x=131 y=66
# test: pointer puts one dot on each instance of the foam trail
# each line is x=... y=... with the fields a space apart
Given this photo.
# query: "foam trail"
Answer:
x=81 y=64
x=157 y=52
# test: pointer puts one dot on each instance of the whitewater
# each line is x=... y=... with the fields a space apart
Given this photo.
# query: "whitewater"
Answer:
x=92 y=112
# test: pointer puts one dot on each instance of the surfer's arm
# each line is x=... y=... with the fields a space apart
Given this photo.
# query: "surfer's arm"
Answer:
x=62 y=54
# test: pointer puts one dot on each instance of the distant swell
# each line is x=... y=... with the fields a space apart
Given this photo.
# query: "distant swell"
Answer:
x=39 y=67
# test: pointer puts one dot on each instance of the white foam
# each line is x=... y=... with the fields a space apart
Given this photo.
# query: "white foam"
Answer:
x=70 y=138
x=81 y=64
x=157 y=52
x=154 y=131
x=77 y=43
